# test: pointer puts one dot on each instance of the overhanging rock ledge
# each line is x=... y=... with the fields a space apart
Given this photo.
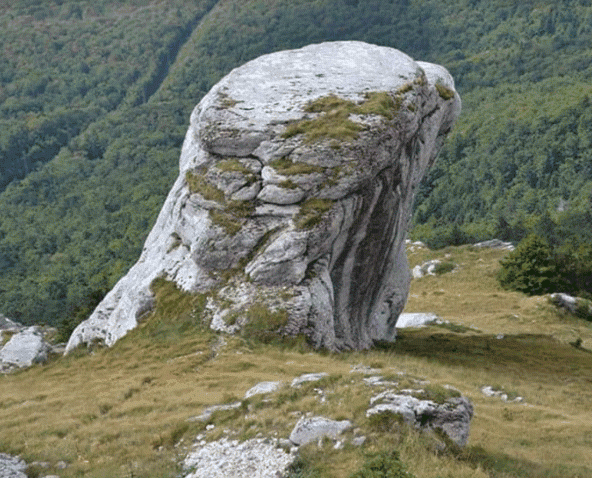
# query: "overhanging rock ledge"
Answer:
x=297 y=178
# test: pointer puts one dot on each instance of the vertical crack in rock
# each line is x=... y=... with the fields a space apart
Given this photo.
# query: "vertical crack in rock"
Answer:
x=296 y=183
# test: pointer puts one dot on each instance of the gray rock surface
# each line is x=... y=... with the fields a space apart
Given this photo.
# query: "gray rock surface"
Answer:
x=9 y=325
x=263 y=388
x=12 y=467
x=209 y=411
x=313 y=428
x=495 y=244
x=256 y=458
x=24 y=349
x=489 y=391
x=318 y=221
x=453 y=417
x=417 y=319
x=572 y=304
x=308 y=377
x=425 y=269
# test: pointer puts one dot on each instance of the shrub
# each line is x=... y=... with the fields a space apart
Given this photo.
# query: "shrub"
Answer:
x=443 y=268
x=531 y=268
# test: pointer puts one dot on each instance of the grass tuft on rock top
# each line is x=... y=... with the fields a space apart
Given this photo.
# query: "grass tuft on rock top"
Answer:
x=334 y=120
x=444 y=92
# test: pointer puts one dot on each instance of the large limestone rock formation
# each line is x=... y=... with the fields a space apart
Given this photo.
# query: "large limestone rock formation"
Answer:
x=297 y=176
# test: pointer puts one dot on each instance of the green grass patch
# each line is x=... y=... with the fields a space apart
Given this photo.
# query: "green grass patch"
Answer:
x=264 y=324
x=437 y=393
x=175 y=313
x=286 y=167
x=199 y=185
x=500 y=465
x=444 y=92
x=231 y=218
x=288 y=184
x=525 y=356
x=380 y=103
x=444 y=267
x=311 y=212
x=232 y=166
x=384 y=464
x=334 y=120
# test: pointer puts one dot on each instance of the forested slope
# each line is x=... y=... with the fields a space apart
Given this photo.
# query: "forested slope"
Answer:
x=95 y=100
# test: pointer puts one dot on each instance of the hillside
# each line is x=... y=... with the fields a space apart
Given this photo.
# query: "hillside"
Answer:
x=133 y=417
x=95 y=100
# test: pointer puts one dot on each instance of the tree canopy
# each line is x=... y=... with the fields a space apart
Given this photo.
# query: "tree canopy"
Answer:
x=95 y=100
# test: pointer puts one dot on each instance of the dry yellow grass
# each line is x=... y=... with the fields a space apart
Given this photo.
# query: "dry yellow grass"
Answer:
x=123 y=411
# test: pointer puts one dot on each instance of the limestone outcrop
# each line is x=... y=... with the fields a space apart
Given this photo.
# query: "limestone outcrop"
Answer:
x=452 y=417
x=297 y=176
x=24 y=349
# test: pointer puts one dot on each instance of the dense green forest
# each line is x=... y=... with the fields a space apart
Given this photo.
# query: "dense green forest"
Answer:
x=95 y=100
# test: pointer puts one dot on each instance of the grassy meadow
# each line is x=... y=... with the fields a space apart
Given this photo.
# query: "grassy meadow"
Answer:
x=124 y=411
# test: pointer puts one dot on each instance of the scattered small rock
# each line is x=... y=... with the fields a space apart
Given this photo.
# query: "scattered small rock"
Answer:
x=413 y=246
x=256 y=458
x=572 y=304
x=24 y=349
x=453 y=417
x=420 y=319
x=379 y=381
x=495 y=244
x=209 y=411
x=310 y=429
x=427 y=268
x=262 y=388
x=489 y=391
x=308 y=377
x=358 y=441
x=12 y=467
x=364 y=369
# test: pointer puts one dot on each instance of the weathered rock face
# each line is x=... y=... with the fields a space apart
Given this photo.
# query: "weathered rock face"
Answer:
x=297 y=176
x=453 y=417
x=24 y=349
